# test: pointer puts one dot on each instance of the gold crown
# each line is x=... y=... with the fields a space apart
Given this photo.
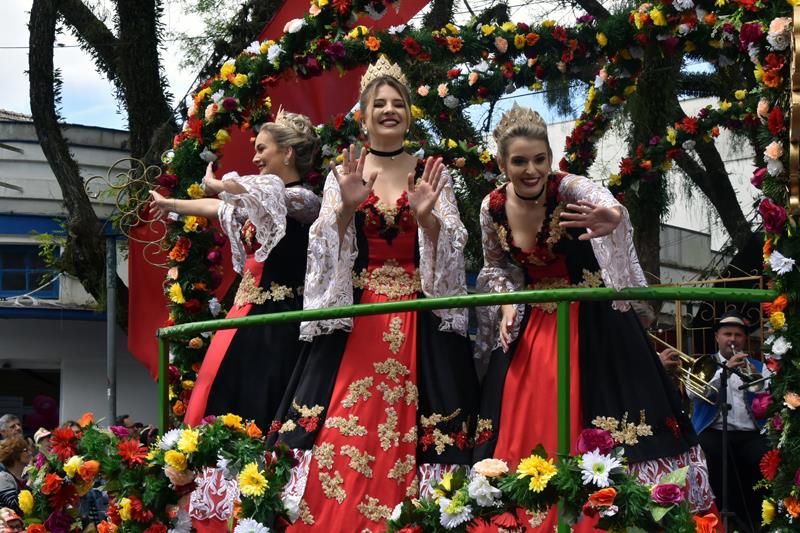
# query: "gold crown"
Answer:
x=514 y=117
x=282 y=119
x=382 y=67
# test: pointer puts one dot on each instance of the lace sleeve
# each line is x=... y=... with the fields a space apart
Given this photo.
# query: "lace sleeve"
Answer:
x=441 y=261
x=329 y=279
x=497 y=275
x=302 y=204
x=615 y=252
x=263 y=205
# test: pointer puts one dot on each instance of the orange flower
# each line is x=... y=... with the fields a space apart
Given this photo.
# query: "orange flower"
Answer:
x=36 y=528
x=710 y=18
x=52 y=482
x=779 y=303
x=106 y=527
x=178 y=409
x=253 y=431
x=603 y=497
x=454 y=44
x=792 y=505
x=790 y=400
x=715 y=131
x=705 y=524
x=532 y=38
x=88 y=470
x=200 y=286
x=772 y=79
x=86 y=419
x=196 y=367
x=373 y=43
x=357 y=115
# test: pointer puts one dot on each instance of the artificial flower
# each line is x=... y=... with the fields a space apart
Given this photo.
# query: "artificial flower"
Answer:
x=293 y=26
x=175 y=460
x=667 y=494
x=227 y=68
x=124 y=509
x=773 y=215
x=487 y=29
x=63 y=442
x=592 y=439
x=760 y=404
x=25 y=501
x=89 y=470
x=596 y=468
x=373 y=43
x=777 y=320
x=705 y=524
x=483 y=492
x=780 y=264
x=187 y=443
x=601 y=39
x=72 y=465
x=252 y=482
x=767 y=512
x=131 y=451
x=248 y=525
x=519 y=42
x=86 y=419
x=490 y=467
x=454 y=512
x=501 y=44
x=792 y=506
x=442 y=90
x=195 y=191
x=169 y=439
x=769 y=464
x=52 y=484
x=539 y=469
x=780 y=347
x=791 y=400
x=423 y=90
x=603 y=497
x=232 y=421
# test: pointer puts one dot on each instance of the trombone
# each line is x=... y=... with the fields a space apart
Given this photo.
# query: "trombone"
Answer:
x=696 y=373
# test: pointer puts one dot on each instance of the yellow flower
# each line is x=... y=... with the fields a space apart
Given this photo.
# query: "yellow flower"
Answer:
x=359 y=31
x=124 y=509
x=176 y=294
x=637 y=20
x=602 y=40
x=445 y=485
x=589 y=99
x=758 y=72
x=187 y=442
x=508 y=26
x=791 y=2
x=190 y=224
x=614 y=180
x=187 y=384
x=452 y=28
x=720 y=3
x=537 y=86
x=658 y=17
x=322 y=3
x=724 y=105
x=195 y=191
x=777 y=319
x=232 y=421
x=485 y=157
x=615 y=100
x=227 y=69
x=549 y=23
x=672 y=135
x=451 y=143
x=26 y=501
x=519 y=41
x=416 y=112
x=487 y=29
x=221 y=137
x=72 y=465
x=767 y=512
x=666 y=165
x=176 y=460
x=202 y=94
x=741 y=94
x=263 y=48
x=540 y=470
x=251 y=481
x=240 y=79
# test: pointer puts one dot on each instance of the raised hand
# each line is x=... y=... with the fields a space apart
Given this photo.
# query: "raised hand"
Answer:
x=211 y=185
x=160 y=207
x=352 y=185
x=422 y=196
x=597 y=220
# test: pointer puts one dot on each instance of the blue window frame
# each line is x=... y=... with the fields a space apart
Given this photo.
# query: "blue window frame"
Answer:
x=22 y=270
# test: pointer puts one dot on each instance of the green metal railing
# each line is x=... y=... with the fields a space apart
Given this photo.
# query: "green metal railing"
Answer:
x=563 y=296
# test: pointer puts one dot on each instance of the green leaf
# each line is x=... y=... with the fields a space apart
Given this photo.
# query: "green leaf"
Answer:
x=678 y=477
x=659 y=512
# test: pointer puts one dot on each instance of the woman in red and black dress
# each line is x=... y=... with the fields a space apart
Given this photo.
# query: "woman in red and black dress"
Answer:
x=552 y=230
x=382 y=404
x=266 y=218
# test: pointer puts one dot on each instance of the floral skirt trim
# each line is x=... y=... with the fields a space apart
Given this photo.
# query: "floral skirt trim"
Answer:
x=214 y=496
x=699 y=495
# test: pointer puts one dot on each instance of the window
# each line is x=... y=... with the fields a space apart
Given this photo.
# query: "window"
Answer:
x=22 y=271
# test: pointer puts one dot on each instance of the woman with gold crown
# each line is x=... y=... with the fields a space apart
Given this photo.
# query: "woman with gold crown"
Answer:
x=383 y=405
x=545 y=229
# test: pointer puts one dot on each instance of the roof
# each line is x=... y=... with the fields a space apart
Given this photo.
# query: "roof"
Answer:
x=12 y=116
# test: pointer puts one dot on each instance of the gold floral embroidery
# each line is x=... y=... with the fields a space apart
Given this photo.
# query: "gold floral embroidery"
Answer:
x=412 y=490
x=249 y=292
x=387 y=431
x=622 y=431
x=502 y=236
x=590 y=279
x=401 y=468
x=536 y=519
x=390 y=280
x=441 y=441
x=348 y=428
x=305 y=513
x=332 y=486
x=392 y=368
x=391 y=394
x=373 y=510
x=484 y=424
x=278 y=293
x=389 y=212
x=395 y=336
x=410 y=435
x=324 y=455
x=436 y=418
x=287 y=426
x=359 y=461
x=357 y=390
x=556 y=231
x=307 y=412
x=412 y=393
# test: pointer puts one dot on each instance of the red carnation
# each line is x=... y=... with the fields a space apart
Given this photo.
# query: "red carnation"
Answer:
x=411 y=46
x=453 y=73
x=769 y=464
x=775 y=121
x=560 y=34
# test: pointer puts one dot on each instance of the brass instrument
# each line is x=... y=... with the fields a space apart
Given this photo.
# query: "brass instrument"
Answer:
x=695 y=372
x=745 y=370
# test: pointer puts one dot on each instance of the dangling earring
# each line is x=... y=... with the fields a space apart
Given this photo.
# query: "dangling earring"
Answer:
x=365 y=132
x=286 y=162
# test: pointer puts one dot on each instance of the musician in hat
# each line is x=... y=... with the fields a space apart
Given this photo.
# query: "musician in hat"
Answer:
x=746 y=443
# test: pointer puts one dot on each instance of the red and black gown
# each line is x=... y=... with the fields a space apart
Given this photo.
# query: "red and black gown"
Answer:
x=617 y=381
x=394 y=397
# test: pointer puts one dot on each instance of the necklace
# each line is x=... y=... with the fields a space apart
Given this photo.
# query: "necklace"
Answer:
x=391 y=154
x=293 y=183
x=535 y=199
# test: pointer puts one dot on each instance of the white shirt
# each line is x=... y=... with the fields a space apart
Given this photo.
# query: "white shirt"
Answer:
x=739 y=415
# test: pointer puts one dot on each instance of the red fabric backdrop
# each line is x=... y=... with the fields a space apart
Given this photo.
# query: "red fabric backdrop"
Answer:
x=319 y=98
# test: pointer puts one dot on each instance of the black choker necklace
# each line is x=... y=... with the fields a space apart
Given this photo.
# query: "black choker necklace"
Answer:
x=534 y=199
x=293 y=183
x=393 y=153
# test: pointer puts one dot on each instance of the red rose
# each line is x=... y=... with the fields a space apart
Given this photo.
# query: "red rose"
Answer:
x=775 y=121
x=774 y=216
x=761 y=403
x=594 y=439
x=52 y=482
x=758 y=177
x=453 y=73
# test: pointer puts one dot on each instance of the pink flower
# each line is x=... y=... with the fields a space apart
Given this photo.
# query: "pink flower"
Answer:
x=667 y=494
x=423 y=90
x=119 y=431
x=760 y=404
x=758 y=177
x=214 y=256
x=230 y=103
x=774 y=216
x=442 y=90
x=774 y=150
x=211 y=111
x=797 y=478
x=763 y=108
x=472 y=78
x=780 y=25
x=501 y=44
x=777 y=423
x=594 y=439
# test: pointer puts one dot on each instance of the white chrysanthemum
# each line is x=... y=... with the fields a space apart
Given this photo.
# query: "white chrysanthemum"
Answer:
x=170 y=439
x=254 y=48
x=453 y=515
x=774 y=166
x=480 y=490
x=294 y=25
x=396 y=511
x=451 y=101
x=394 y=30
x=183 y=523
x=292 y=504
x=273 y=52
x=779 y=263
x=780 y=347
x=217 y=97
x=214 y=306
x=682 y=5
x=596 y=467
x=248 y=525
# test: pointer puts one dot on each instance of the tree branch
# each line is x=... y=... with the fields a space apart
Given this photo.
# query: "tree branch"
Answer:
x=94 y=34
x=592 y=7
